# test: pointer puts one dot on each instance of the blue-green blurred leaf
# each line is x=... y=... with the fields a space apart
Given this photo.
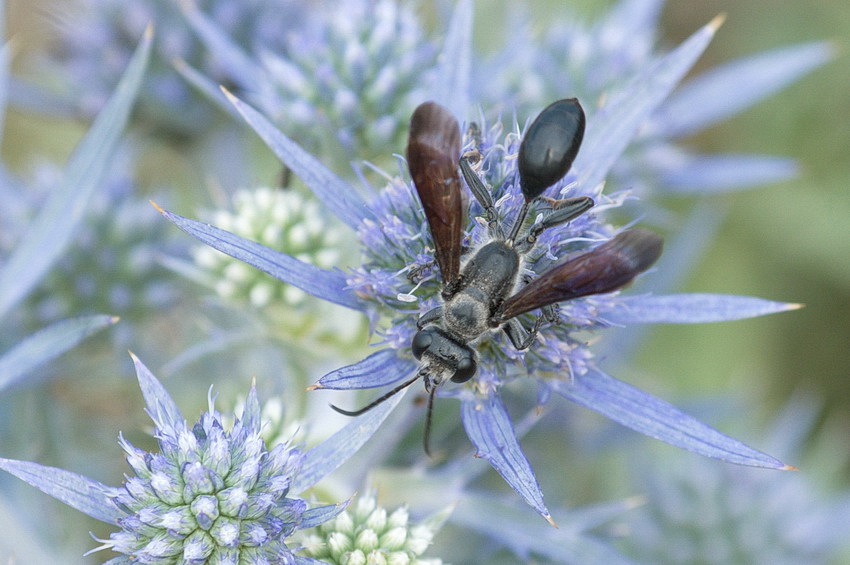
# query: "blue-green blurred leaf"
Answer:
x=726 y=90
x=53 y=228
x=451 y=88
x=4 y=79
x=47 y=344
x=569 y=543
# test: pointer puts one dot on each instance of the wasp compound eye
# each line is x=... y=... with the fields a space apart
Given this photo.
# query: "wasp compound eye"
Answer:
x=421 y=342
x=466 y=368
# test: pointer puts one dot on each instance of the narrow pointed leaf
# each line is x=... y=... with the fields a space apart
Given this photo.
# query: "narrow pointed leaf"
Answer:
x=315 y=516
x=655 y=418
x=87 y=496
x=612 y=127
x=326 y=457
x=726 y=90
x=701 y=174
x=693 y=308
x=321 y=283
x=489 y=427
x=379 y=369
x=452 y=79
x=47 y=344
x=240 y=67
x=53 y=228
x=205 y=86
x=334 y=193
x=160 y=406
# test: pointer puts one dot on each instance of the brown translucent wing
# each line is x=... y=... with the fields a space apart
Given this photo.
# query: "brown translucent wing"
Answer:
x=433 y=151
x=606 y=268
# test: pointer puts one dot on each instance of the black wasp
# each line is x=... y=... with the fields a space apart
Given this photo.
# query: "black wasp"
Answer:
x=485 y=295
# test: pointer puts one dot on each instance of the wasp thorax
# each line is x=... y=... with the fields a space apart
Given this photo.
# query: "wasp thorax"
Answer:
x=466 y=315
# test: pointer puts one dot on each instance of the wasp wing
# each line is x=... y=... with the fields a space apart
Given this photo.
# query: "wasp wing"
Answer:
x=606 y=268
x=433 y=151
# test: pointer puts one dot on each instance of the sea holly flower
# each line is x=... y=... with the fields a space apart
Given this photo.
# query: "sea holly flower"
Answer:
x=94 y=40
x=281 y=219
x=209 y=495
x=343 y=82
x=114 y=265
x=367 y=533
x=590 y=60
x=392 y=229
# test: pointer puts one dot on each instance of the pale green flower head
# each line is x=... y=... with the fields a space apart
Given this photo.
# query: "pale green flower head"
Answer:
x=366 y=533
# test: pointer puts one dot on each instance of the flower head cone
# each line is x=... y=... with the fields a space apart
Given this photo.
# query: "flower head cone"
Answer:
x=344 y=81
x=288 y=220
x=209 y=495
x=399 y=282
x=368 y=533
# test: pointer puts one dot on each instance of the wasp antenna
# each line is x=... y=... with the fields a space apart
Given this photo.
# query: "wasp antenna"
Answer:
x=378 y=400
x=426 y=439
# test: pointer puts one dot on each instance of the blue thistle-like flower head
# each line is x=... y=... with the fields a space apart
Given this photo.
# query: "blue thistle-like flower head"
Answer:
x=95 y=40
x=114 y=263
x=590 y=60
x=343 y=81
x=209 y=495
x=396 y=241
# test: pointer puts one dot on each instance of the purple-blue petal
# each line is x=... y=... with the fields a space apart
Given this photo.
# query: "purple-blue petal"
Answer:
x=336 y=194
x=379 y=369
x=84 y=494
x=611 y=128
x=326 y=457
x=321 y=283
x=655 y=418
x=717 y=173
x=161 y=407
x=726 y=90
x=490 y=430
x=452 y=79
x=692 y=308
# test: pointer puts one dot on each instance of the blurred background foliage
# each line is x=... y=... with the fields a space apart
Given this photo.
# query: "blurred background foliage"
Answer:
x=787 y=242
